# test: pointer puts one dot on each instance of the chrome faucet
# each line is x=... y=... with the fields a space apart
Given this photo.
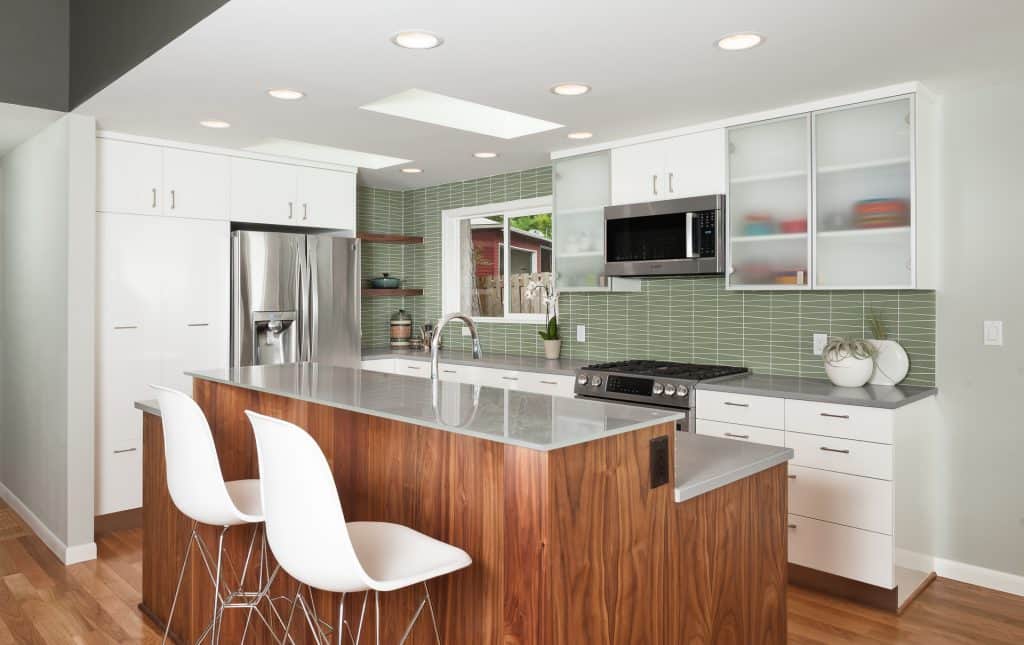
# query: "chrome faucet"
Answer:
x=435 y=340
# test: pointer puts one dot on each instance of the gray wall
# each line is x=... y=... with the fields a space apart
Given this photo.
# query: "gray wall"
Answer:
x=34 y=53
x=109 y=37
x=47 y=268
x=981 y=440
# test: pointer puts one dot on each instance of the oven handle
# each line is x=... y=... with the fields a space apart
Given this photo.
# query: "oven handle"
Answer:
x=690 y=253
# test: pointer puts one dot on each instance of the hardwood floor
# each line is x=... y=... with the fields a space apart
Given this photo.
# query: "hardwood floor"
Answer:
x=41 y=601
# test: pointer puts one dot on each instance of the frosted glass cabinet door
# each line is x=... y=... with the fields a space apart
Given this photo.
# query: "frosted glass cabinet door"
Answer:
x=769 y=204
x=863 y=208
x=581 y=191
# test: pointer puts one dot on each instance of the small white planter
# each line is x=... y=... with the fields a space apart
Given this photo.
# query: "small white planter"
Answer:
x=891 y=363
x=848 y=371
x=552 y=348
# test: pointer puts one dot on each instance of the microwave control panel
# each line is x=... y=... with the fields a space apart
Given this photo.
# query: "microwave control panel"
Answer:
x=705 y=223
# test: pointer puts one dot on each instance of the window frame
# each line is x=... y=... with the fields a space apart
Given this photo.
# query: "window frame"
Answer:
x=451 y=259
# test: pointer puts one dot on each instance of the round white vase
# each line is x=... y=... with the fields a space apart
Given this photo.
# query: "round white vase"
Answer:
x=891 y=363
x=849 y=371
x=552 y=348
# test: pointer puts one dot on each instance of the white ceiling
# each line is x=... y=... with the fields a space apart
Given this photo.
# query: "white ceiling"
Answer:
x=19 y=123
x=651 y=64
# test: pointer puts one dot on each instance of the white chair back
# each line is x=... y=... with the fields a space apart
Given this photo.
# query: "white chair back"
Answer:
x=194 y=478
x=306 y=527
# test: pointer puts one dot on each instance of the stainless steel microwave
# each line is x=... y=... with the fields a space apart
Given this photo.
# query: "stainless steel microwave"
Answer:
x=671 y=237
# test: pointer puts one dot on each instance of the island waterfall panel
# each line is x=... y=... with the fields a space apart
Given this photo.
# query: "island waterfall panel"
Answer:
x=568 y=546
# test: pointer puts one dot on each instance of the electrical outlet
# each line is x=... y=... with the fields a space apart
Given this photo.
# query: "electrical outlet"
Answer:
x=993 y=332
x=581 y=333
x=820 y=340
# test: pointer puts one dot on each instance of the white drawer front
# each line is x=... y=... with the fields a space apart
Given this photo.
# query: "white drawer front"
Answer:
x=842 y=550
x=118 y=476
x=737 y=432
x=458 y=373
x=412 y=368
x=554 y=384
x=379 y=365
x=860 y=502
x=745 y=409
x=847 y=421
x=841 y=455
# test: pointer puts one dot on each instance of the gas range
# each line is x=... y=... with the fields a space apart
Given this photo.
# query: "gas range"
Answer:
x=660 y=383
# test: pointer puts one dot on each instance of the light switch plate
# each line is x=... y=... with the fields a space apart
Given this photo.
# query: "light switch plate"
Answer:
x=581 y=333
x=993 y=332
x=820 y=340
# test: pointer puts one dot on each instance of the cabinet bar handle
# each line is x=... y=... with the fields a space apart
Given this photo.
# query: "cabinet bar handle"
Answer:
x=845 y=451
x=737 y=436
x=173 y=201
x=550 y=382
x=510 y=378
x=305 y=211
x=654 y=184
x=197 y=324
x=670 y=188
x=154 y=198
x=446 y=371
x=835 y=416
x=738 y=405
x=126 y=326
x=792 y=526
x=412 y=367
x=118 y=452
x=792 y=476
x=290 y=205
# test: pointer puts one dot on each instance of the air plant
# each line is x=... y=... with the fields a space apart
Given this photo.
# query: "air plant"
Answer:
x=838 y=349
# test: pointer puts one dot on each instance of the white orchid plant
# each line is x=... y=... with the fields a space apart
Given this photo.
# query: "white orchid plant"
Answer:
x=549 y=297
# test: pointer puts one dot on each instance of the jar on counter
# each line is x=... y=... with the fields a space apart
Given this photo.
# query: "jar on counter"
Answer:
x=401 y=329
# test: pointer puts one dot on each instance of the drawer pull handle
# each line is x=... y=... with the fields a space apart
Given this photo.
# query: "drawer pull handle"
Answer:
x=412 y=367
x=737 y=436
x=792 y=526
x=550 y=382
x=118 y=452
x=197 y=325
x=835 y=416
x=738 y=405
x=509 y=378
x=445 y=371
x=792 y=476
x=844 y=451
x=126 y=326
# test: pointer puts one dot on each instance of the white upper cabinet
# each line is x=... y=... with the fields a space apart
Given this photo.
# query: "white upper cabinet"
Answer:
x=129 y=177
x=863 y=187
x=195 y=184
x=264 y=192
x=684 y=166
x=768 y=204
x=327 y=198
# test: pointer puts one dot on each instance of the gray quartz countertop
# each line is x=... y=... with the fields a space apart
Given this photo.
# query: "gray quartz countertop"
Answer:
x=496 y=361
x=536 y=421
x=149 y=406
x=808 y=389
x=704 y=463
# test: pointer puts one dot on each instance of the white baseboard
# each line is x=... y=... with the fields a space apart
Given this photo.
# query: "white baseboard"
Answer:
x=67 y=555
x=962 y=572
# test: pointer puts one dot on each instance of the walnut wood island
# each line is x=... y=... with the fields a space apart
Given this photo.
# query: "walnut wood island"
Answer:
x=574 y=536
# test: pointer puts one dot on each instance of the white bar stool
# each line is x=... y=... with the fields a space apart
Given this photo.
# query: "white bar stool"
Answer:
x=309 y=537
x=198 y=489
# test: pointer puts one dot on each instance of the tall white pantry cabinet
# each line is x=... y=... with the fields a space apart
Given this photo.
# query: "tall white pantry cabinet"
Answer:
x=163 y=228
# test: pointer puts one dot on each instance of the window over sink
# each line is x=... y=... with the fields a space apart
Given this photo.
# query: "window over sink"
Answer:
x=497 y=260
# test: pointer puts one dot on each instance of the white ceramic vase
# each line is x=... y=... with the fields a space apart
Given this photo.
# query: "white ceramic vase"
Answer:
x=891 y=363
x=849 y=371
x=552 y=348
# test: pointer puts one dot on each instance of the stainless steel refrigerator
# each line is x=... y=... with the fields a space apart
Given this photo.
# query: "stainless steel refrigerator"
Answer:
x=294 y=298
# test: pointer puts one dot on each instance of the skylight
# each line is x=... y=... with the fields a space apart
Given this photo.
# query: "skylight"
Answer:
x=429 y=107
x=325 y=154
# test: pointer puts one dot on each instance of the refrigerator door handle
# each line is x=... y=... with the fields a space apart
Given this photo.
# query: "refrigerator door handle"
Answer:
x=314 y=299
x=302 y=296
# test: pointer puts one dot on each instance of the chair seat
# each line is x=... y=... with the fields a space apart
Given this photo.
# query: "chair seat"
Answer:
x=245 y=493
x=396 y=556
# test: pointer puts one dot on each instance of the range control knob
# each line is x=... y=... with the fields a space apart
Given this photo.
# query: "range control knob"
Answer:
x=596 y=381
x=682 y=390
x=582 y=379
x=658 y=388
x=670 y=389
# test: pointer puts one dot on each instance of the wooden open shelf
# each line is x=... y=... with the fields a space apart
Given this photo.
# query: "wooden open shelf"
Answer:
x=371 y=293
x=389 y=238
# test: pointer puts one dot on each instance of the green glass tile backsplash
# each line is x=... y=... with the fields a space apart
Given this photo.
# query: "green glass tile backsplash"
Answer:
x=692 y=319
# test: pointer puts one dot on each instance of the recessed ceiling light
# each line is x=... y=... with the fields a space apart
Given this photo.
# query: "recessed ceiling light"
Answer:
x=417 y=39
x=736 y=42
x=485 y=155
x=412 y=171
x=286 y=94
x=580 y=135
x=570 y=89
x=216 y=124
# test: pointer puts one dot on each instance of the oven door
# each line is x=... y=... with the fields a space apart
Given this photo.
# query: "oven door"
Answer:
x=671 y=237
